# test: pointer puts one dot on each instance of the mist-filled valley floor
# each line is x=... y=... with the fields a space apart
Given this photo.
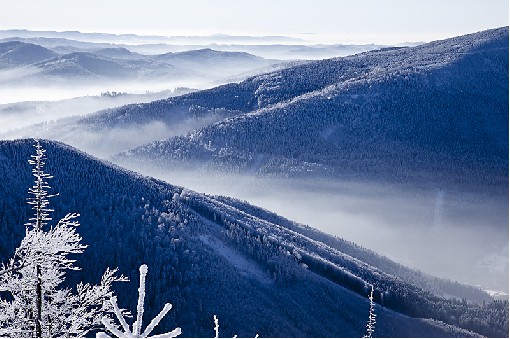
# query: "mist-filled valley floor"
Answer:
x=454 y=234
x=246 y=171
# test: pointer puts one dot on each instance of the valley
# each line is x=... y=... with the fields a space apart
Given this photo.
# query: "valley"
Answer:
x=274 y=193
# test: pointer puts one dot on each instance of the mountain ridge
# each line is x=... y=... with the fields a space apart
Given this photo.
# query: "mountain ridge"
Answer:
x=112 y=61
x=183 y=237
x=437 y=102
x=16 y=53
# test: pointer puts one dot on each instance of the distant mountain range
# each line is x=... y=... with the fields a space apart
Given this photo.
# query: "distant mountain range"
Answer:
x=269 y=47
x=120 y=63
x=16 y=53
x=260 y=273
x=133 y=38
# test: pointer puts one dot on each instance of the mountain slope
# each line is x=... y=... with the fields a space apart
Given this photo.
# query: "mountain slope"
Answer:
x=116 y=52
x=82 y=61
x=209 y=255
x=207 y=56
x=438 y=109
x=80 y=64
x=119 y=62
x=16 y=53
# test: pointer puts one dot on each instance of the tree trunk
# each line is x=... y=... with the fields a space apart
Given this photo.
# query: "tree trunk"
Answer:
x=38 y=304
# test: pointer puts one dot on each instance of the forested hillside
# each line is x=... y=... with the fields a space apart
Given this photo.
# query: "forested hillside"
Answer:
x=438 y=111
x=261 y=274
x=16 y=53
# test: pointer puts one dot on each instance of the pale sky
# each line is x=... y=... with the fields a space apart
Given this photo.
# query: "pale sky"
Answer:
x=380 y=21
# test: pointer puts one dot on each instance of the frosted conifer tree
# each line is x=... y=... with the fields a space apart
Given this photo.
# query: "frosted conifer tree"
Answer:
x=371 y=316
x=38 y=306
x=136 y=332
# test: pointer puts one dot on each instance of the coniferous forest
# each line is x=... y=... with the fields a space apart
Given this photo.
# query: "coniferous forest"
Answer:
x=94 y=245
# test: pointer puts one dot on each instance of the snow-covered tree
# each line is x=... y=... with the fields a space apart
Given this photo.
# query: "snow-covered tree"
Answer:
x=216 y=327
x=136 y=332
x=38 y=305
x=371 y=316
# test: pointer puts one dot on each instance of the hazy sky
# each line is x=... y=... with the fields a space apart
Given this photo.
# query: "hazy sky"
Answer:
x=335 y=20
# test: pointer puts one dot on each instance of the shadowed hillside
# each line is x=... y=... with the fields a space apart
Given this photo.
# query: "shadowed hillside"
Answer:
x=210 y=255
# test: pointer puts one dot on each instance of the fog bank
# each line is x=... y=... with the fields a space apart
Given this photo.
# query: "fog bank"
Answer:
x=459 y=235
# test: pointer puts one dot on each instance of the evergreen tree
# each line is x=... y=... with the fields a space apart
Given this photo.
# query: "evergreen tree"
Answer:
x=371 y=316
x=37 y=305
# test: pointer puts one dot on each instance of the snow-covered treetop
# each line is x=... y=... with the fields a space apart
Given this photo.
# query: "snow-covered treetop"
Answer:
x=39 y=194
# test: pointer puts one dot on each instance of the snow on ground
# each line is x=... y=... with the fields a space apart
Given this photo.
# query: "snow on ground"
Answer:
x=245 y=266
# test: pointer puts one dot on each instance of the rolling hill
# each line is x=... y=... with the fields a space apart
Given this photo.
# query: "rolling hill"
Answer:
x=82 y=65
x=114 y=62
x=260 y=273
x=208 y=56
x=16 y=53
x=116 y=52
x=438 y=111
x=432 y=119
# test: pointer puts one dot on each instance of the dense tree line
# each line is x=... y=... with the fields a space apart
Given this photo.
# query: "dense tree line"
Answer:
x=397 y=114
x=127 y=220
x=286 y=253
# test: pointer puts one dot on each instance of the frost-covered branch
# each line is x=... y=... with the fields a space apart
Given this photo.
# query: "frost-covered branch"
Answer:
x=156 y=320
x=137 y=326
x=118 y=314
x=141 y=298
x=12 y=268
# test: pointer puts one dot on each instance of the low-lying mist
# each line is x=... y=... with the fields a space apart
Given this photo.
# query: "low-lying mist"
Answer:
x=35 y=100
x=62 y=89
x=105 y=141
x=451 y=234
x=15 y=118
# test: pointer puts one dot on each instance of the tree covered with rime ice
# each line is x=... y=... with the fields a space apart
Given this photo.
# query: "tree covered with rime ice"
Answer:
x=35 y=304
x=136 y=331
x=371 y=316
